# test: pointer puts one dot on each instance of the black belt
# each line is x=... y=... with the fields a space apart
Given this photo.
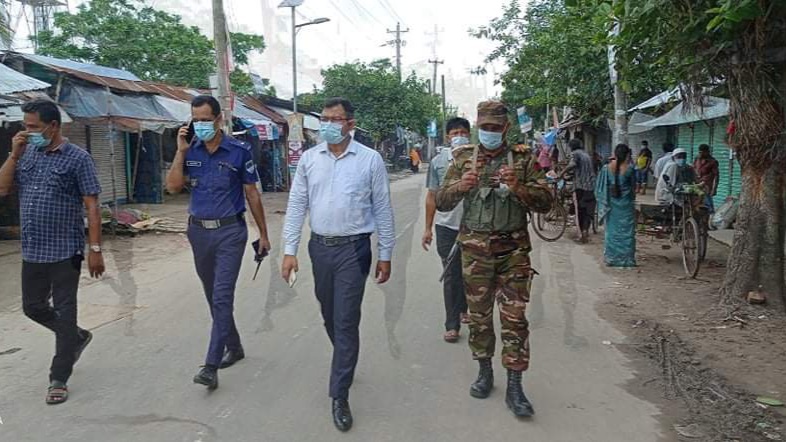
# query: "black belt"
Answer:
x=333 y=241
x=213 y=224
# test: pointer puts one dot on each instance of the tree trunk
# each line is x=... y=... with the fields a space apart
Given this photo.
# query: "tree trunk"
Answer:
x=757 y=254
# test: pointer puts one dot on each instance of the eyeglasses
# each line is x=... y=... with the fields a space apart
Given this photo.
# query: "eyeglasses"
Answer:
x=334 y=119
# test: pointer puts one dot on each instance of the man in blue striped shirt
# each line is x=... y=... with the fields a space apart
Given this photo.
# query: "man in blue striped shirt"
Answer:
x=344 y=187
x=56 y=182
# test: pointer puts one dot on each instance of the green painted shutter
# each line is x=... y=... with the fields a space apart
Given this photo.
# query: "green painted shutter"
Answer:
x=722 y=153
x=685 y=138
x=701 y=135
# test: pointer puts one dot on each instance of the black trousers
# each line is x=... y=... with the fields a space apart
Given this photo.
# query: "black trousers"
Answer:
x=340 y=275
x=59 y=283
x=453 y=284
x=585 y=199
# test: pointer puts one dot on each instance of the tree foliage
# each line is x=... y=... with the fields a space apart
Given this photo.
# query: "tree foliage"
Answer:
x=380 y=99
x=152 y=44
x=556 y=54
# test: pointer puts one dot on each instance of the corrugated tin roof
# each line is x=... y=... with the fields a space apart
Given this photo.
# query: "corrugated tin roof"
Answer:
x=12 y=81
x=263 y=109
x=93 y=69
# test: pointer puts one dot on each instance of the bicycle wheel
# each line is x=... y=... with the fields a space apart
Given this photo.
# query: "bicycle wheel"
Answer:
x=551 y=226
x=691 y=243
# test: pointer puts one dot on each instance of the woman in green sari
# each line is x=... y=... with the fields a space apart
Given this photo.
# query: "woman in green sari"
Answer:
x=615 y=192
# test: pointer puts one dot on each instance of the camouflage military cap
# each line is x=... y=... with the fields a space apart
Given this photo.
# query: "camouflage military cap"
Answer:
x=492 y=112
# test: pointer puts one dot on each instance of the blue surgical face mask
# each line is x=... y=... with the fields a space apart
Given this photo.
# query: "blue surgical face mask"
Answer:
x=332 y=132
x=490 y=140
x=459 y=141
x=681 y=161
x=204 y=130
x=37 y=140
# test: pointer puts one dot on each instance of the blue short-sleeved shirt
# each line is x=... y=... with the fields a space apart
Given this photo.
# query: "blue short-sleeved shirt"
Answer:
x=51 y=187
x=217 y=180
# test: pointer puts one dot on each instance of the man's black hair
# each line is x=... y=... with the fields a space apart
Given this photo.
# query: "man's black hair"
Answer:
x=201 y=100
x=704 y=147
x=344 y=103
x=645 y=143
x=575 y=144
x=47 y=110
x=668 y=147
x=457 y=123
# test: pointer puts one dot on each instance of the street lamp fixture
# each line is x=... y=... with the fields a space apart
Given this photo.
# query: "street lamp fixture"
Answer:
x=296 y=27
x=317 y=21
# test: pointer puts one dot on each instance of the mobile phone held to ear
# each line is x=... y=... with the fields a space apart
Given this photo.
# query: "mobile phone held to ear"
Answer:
x=190 y=136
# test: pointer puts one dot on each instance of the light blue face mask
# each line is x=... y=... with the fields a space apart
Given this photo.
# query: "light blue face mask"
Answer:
x=681 y=161
x=204 y=130
x=490 y=140
x=332 y=132
x=37 y=140
x=459 y=141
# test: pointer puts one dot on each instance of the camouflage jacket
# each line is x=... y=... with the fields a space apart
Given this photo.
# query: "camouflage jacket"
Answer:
x=532 y=194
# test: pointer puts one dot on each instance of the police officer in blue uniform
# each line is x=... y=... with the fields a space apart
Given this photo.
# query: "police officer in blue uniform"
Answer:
x=221 y=174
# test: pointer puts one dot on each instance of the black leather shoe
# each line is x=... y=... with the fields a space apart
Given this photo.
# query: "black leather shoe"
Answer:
x=207 y=376
x=230 y=357
x=342 y=416
x=481 y=388
x=84 y=338
x=515 y=398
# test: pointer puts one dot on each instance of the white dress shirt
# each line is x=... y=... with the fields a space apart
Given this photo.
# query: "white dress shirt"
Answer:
x=344 y=196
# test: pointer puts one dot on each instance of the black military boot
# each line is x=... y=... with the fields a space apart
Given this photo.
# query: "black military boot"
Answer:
x=515 y=398
x=481 y=388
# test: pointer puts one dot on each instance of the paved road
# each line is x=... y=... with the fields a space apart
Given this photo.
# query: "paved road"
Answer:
x=151 y=327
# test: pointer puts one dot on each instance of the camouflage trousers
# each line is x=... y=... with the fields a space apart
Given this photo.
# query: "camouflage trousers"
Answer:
x=491 y=275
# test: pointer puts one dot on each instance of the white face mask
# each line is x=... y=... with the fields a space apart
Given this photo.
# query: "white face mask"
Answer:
x=459 y=141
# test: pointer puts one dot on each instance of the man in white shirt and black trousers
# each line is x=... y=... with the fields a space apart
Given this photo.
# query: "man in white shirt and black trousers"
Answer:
x=344 y=187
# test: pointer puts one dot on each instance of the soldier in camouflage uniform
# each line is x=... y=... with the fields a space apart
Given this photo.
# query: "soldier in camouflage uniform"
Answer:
x=499 y=185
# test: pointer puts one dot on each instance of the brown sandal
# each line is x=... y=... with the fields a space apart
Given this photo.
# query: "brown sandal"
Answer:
x=451 y=336
x=57 y=393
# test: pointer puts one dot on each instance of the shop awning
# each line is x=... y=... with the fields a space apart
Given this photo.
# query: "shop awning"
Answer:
x=130 y=112
x=659 y=100
x=713 y=108
x=309 y=121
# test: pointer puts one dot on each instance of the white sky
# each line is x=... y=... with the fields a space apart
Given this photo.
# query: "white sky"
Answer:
x=356 y=32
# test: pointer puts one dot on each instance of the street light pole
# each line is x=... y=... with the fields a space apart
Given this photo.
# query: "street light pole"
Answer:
x=294 y=62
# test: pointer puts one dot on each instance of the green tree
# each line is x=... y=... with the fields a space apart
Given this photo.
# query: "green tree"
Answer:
x=555 y=55
x=381 y=101
x=736 y=48
x=152 y=44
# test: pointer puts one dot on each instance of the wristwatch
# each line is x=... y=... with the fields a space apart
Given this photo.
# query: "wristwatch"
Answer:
x=96 y=248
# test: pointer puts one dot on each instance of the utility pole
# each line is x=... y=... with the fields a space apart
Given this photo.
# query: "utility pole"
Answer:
x=294 y=62
x=620 y=134
x=398 y=42
x=221 y=37
x=434 y=83
x=444 y=112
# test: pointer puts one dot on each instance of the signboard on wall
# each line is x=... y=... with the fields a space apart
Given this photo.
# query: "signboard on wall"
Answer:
x=295 y=122
x=294 y=152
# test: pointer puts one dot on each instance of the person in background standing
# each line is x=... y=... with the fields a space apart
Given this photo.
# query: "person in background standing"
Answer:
x=544 y=157
x=580 y=165
x=660 y=165
x=447 y=227
x=616 y=194
x=708 y=174
x=643 y=165
x=221 y=172
x=56 y=181
x=414 y=160
x=343 y=186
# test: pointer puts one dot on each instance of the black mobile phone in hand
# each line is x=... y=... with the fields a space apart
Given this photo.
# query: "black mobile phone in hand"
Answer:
x=191 y=134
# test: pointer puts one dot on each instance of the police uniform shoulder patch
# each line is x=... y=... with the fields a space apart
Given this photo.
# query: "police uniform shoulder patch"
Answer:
x=250 y=166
